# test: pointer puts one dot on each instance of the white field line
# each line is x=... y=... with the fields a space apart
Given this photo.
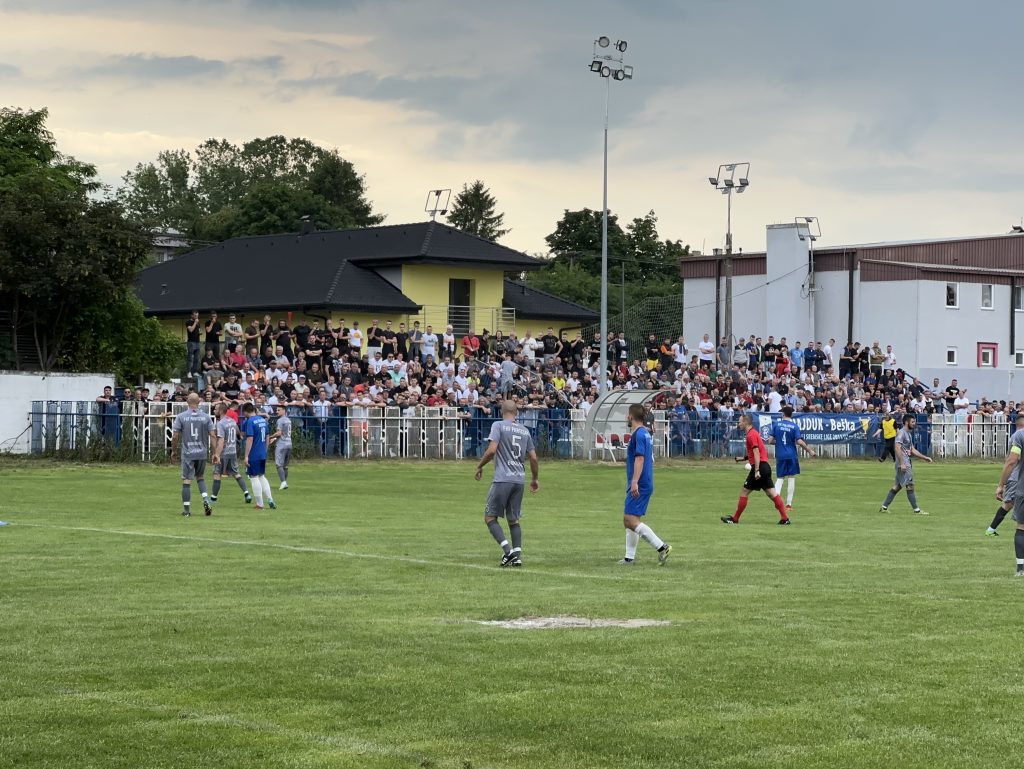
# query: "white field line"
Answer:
x=351 y=744
x=333 y=551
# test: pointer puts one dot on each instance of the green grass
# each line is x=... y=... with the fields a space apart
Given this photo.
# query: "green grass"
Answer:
x=337 y=631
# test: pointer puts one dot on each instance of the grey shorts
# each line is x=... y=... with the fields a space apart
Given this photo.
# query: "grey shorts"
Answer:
x=282 y=455
x=904 y=477
x=505 y=500
x=228 y=466
x=192 y=468
x=1010 y=491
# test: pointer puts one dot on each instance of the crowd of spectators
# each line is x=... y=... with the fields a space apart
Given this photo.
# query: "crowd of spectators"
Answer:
x=342 y=370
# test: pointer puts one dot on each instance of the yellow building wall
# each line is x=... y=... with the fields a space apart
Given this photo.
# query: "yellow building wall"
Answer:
x=427 y=285
x=539 y=328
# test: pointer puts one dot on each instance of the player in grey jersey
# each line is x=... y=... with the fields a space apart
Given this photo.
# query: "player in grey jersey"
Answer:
x=283 y=451
x=1012 y=472
x=1009 y=496
x=905 y=451
x=509 y=444
x=193 y=430
x=225 y=453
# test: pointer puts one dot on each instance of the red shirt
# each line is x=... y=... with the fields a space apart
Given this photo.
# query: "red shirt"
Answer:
x=754 y=441
x=470 y=344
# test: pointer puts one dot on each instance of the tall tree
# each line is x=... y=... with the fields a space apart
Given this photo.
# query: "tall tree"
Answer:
x=209 y=192
x=63 y=252
x=640 y=263
x=475 y=211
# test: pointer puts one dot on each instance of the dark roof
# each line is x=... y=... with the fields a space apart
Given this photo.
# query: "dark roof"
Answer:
x=218 y=279
x=529 y=302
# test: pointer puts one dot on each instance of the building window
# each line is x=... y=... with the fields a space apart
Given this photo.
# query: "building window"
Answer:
x=986 y=296
x=1018 y=298
x=952 y=295
x=1018 y=358
x=950 y=356
x=988 y=354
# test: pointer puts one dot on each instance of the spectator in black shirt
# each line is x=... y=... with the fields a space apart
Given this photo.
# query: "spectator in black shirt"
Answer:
x=213 y=329
x=387 y=340
x=402 y=343
x=952 y=393
x=192 y=345
x=266 y=333
x=301 y=333
x=283 y=338
x=621 y=348
x=552 y=347
x=653 y=350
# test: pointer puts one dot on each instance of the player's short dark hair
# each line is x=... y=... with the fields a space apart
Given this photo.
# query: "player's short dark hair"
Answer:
x=637 y=412
x=907 y=418
x=248 y=408
x=787 y=411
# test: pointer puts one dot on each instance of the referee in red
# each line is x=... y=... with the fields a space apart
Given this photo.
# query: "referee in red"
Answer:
x=759 y=477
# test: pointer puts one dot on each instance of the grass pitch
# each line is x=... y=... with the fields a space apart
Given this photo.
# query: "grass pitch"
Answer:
x=338 y=631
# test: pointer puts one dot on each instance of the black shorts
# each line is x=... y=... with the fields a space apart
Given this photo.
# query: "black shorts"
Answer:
x=760 y=484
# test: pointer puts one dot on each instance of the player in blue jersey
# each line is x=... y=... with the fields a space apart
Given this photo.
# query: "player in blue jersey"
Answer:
x=786 y=437
x=639 y=489
x=256 y=430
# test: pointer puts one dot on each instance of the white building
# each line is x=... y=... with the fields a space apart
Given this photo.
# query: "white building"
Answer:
x=950 y=308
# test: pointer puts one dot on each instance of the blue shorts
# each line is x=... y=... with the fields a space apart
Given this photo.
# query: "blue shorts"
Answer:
x=256 y=467
x=784 y=468
x=637 y=506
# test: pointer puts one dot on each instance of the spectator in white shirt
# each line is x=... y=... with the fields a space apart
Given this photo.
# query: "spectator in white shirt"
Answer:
x=889 y=363
x=774 y=399
x=448 y=341
x=680 y=352
x=430 y=344
x=706 y=352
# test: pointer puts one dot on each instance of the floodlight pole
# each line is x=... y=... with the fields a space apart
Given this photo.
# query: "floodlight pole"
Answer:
x=603 y=382
x=609 y=67
x=728 y=271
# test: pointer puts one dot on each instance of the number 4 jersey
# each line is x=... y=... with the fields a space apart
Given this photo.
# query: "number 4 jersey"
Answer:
x=514 y=444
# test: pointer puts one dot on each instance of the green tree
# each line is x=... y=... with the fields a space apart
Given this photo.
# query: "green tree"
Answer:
x=63 y=252
x=640 y=263
x=475 y=211
x=222 y=189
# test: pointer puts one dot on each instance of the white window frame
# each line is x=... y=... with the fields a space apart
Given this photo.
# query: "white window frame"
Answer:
x=948 y=361
x=1018 y=298
x=956 y=296
x=986 y=352
x=991 y=297
x=1018 y=358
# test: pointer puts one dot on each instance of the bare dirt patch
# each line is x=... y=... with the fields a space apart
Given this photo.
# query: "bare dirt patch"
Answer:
x=567 y=621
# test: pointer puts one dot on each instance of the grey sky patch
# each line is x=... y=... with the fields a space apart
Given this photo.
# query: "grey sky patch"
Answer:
x=150 y=67
x=9 y=70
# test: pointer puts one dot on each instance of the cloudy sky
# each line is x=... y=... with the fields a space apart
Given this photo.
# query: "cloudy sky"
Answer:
x=887 y=120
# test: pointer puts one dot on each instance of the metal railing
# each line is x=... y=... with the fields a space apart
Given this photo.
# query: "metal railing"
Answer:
x=464 y=318
x=133 y=431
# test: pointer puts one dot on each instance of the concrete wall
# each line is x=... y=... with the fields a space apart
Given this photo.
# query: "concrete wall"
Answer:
x=786 y=300
x=748 y=308
x=698 y=308
x=888 y=312
x=21 y=388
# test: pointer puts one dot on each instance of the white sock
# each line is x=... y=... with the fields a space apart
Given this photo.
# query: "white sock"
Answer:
x=647 y=533
x=266 y=488
x=778 y=486
x=790 y=491
x=204 y=494
x=257 y=491
x=632 y=540
x=1020 y=561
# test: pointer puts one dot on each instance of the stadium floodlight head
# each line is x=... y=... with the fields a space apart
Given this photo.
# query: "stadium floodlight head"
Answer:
x=740 y=189
x=811 y=225
x=728 y=182
x=606 y=71
x=620 y=46
x=713 y=180
x=595 y=65
x=1017 y=228
x=744 y=181
x=620 y=75
x=627 y=70
x=604 y=41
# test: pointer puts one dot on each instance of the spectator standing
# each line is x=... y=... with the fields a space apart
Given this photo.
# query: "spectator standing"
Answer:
x=706 y=352
x=374 y=339
x=470 y=346
x=402 y=343
x=416 y=342
x=266 y=333
x=653 y=350
x=448 y=342
x=213 y=329
x=283 y=339
x=232 y=332
x=889 y=363
x=724 y=361
x=429 y=343
x=877 y=359
x=680 y=352
x=192 y=344
x=355 y=340
x=952 y=393
x=387 y=340
x=621 y=348
x=828 y=350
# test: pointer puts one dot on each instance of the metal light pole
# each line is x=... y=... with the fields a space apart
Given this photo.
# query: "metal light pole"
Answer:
x=813 y=227
x=732 y=177
x=610 y=67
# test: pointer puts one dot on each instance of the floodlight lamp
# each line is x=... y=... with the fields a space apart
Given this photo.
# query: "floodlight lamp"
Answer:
x=744 y=181
x=595 y=66
x=729 y=183
x=606 y=71
x=620 y=75
x=726 y=190
x=620 y=46
x=627 y=71
x=1018 y=228
x=740 y=189
x=604 y=41
x=731 y=167
x=713 y=180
